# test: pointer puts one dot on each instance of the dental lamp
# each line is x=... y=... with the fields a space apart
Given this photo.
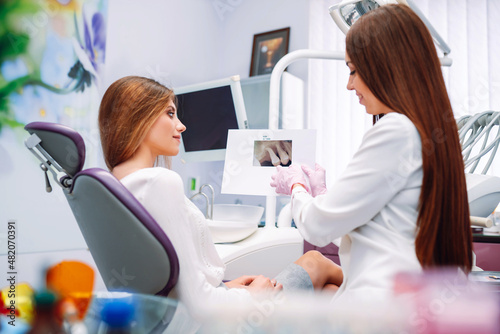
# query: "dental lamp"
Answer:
x=344 y=14
x=347 y=12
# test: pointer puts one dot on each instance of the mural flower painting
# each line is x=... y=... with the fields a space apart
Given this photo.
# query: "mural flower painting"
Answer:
x=13 y=44
x=90 y=52
x=51 y=55
x=89 y=48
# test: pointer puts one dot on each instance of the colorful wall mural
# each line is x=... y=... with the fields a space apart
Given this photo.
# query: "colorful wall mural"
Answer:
x=52 y=55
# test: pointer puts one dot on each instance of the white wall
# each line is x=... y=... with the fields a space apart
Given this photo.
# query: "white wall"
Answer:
x=256 y=16
x=178 y=43
x=238 y=22
x=171 y=41
x=184 y=42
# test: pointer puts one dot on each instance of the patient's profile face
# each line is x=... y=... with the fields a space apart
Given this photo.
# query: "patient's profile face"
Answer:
x=164 y=137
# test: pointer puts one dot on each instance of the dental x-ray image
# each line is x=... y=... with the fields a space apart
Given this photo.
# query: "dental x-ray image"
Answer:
x=272 y=153
x=243 y=172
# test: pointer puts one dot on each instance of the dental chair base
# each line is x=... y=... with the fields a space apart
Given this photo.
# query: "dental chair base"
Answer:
x=266 y=252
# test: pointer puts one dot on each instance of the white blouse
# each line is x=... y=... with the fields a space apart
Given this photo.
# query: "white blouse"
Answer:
x=201 y=270
x=373 y=206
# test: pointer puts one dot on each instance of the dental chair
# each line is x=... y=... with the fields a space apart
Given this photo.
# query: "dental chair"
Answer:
x=480 y=137
x=131 y=251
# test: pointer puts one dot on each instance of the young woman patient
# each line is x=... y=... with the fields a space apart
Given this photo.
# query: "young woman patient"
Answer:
x=138 y=127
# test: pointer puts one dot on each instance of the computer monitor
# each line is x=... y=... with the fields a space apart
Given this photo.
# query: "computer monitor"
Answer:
x=209 y=110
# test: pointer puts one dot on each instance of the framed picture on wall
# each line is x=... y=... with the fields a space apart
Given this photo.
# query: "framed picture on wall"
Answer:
x=268 y=48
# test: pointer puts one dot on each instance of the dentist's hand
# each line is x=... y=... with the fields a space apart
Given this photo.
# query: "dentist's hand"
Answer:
x=317 y=179
x=285 y=178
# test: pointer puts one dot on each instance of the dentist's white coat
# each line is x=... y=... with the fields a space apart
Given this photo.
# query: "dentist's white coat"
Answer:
x=373 y=207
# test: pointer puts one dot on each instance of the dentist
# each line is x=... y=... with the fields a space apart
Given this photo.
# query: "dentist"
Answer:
x=401 y=204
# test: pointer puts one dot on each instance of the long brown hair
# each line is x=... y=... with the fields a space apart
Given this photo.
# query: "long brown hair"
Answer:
x=394 y=54
x=128 y=110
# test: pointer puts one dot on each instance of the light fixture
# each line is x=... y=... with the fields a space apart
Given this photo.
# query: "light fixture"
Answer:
x=346 y=12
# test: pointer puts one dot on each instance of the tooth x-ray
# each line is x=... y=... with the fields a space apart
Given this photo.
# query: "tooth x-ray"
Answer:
x=272 y=153
x=251 y=157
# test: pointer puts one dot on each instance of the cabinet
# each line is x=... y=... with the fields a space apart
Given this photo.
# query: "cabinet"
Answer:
x=487 y=249
x=487 y=256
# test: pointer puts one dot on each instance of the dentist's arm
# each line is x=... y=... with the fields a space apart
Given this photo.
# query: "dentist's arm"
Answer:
x=390 y=152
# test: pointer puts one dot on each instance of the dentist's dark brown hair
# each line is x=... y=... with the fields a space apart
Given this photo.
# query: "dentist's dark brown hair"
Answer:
x=394 y=54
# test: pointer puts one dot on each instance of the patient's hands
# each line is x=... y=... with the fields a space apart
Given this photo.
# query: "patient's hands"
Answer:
x=255 y=284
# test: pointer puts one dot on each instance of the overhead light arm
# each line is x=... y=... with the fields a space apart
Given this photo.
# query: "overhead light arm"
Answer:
x=347 y=12
x=435 y=35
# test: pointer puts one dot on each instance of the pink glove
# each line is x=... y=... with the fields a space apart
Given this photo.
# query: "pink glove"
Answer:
x=284 y=180
x=317 y=179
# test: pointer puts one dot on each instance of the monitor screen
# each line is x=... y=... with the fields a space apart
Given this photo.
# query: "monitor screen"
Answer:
x=209 y=110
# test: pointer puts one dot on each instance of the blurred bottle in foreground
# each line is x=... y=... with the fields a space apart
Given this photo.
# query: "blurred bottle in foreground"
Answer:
x=117 y=317
x=45 y=320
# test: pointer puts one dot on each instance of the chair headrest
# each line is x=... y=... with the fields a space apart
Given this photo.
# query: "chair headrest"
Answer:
x=63 y=144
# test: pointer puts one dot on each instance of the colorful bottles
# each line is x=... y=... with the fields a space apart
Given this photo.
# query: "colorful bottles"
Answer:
x=16 y=302
x=45 y=321
x=73 y=281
